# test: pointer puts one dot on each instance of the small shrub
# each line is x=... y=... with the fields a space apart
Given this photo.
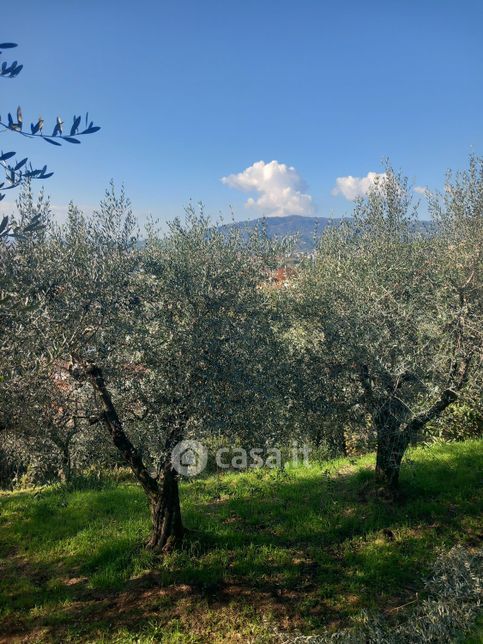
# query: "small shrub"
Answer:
x=453 y=603
x=460 y=422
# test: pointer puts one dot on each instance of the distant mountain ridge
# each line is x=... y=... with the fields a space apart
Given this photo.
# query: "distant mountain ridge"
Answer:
x=308 y=229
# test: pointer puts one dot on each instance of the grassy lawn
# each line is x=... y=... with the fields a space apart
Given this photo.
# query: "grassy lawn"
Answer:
x=298 y=549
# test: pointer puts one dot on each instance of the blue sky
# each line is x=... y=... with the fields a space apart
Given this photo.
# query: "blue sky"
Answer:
x=191 y=91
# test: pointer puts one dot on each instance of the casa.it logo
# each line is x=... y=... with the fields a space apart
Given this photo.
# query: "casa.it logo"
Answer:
x=189 y=458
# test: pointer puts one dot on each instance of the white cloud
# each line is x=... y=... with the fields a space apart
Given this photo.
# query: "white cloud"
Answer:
x=353 y=187
x=280 y=188
x=421 y=190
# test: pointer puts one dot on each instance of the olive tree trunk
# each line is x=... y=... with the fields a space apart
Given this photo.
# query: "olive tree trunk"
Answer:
x=392 y=443
x=167 y=527
x=393 y=437
x=65 y=472
x=163 y=495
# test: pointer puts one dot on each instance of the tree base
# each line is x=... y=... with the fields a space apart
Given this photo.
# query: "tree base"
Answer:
x=376 y=490
x=171 y=544
x=167 y=530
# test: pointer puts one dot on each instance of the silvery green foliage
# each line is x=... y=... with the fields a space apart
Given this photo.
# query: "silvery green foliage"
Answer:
x=453 y=603
x=20 y=300
x=204 y=335
x=21 y=322
x=390 y=311
x=458 y=216
x=179 y=325
x=49 y=436
x=193 y=343
x=60 y=285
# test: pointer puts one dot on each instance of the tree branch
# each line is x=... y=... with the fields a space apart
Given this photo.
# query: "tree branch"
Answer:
x=119 y=437
x=447 y=397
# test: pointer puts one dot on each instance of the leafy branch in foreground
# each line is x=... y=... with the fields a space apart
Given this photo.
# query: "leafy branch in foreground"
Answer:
x=36 y=130
x=12 y=70
x=11 y=229
x=20 y=171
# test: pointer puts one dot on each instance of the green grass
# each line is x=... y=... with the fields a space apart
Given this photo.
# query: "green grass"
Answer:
x=297 y=549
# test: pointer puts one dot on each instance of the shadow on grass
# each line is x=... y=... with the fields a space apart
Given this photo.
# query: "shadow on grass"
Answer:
x=302 y=543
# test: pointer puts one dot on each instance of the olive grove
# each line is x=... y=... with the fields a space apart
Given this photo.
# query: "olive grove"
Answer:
x=117 y=345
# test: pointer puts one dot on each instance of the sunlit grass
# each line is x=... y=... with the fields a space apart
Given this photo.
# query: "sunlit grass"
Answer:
x=300 y=547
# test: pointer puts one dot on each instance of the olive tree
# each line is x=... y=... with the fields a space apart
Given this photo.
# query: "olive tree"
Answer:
x=39 y=410
x=395 y=307
x=173 y=335
x=20 y=300
x=19 y=172
x=206 y=343
x=49 y=429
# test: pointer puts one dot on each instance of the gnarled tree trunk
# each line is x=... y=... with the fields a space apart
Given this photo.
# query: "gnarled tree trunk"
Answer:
x=392 y=443
x=394 y=436
x=167 y=527
x=163 y=494
x=65 y=472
